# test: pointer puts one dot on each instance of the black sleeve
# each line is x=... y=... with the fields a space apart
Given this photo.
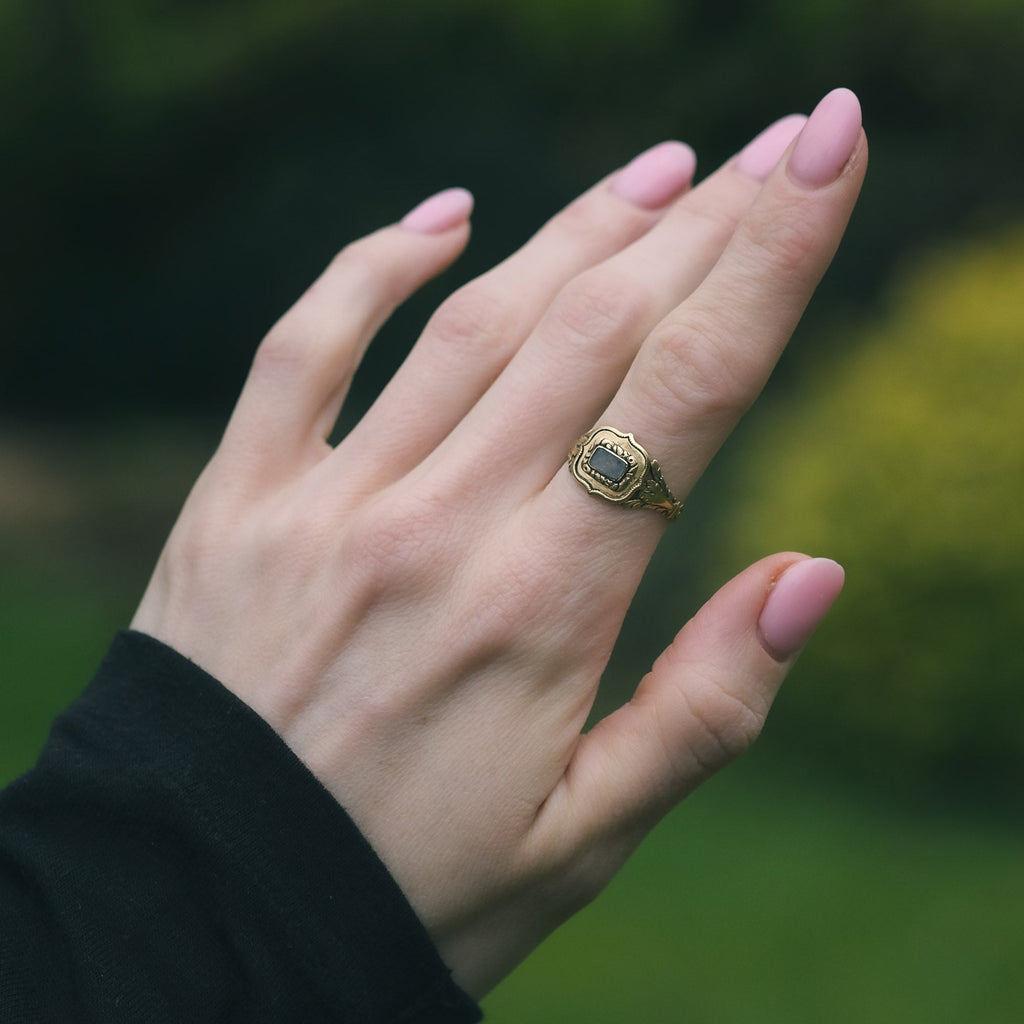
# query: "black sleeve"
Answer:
x=170 y=859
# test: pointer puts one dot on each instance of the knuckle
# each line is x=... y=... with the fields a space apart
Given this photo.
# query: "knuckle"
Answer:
x=192 y=556
x=692 y=367
x=785 y=244
x=586 y=223
x=372 y=271
x=287 y=350
x=210 y=539
x=712 y=217
x=474 y=317
x=602 y=305
x=395 y=545
x=510 y=603
x=355 y=264
x=357 y=273
x=356 y=277
x=723 y=725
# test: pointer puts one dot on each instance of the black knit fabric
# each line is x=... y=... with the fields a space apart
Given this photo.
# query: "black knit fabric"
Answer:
x=169 y=859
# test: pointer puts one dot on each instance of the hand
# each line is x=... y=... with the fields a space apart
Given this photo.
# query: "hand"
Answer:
x=424 y=612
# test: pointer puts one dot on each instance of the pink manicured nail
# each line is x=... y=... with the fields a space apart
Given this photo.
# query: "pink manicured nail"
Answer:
x=759 y=157
x=440 y=212
x=656 y=176
x=827 y=141
x=798 y=602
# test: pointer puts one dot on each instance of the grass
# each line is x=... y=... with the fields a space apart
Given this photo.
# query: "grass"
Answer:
x=53 y=633
x=82 y=520
x=771 y=896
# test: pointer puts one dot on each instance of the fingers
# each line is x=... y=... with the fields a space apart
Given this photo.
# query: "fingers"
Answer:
x=703 y=702
x=304 y=367
x=706 y=362
x=478 y=329
x=571 y=365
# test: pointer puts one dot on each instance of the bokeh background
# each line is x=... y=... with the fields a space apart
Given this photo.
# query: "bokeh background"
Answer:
x=173 y=173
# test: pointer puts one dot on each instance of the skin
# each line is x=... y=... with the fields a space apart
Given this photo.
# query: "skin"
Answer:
x=423 y=613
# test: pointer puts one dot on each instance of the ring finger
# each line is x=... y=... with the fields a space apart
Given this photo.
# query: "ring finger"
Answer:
x=705 y=363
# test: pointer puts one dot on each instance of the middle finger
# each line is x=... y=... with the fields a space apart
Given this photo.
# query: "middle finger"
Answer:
x=479 y=328
x=570 y=367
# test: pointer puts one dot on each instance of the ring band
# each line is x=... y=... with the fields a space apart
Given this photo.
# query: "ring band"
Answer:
x=614 y=466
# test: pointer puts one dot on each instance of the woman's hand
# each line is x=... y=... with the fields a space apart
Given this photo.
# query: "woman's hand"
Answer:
x=424 y=612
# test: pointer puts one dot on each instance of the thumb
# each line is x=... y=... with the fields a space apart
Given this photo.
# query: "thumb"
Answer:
x=705 y=699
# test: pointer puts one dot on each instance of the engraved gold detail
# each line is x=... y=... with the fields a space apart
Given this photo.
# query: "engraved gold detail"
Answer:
x=640 y=483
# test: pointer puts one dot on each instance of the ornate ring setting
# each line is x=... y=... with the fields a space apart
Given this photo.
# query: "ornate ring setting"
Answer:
x=614 y=466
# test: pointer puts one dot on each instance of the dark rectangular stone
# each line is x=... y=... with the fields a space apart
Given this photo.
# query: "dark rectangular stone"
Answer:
x=608 y=464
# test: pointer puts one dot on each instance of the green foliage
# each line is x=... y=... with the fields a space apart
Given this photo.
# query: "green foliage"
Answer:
x=904 y=459
x=53 y=639
x=184 y=167
x=152 y=51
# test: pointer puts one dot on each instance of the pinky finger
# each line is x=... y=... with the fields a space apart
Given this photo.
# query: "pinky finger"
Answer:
x=302 y=370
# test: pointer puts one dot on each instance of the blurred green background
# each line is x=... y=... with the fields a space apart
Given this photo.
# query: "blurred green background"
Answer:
x=174 y=172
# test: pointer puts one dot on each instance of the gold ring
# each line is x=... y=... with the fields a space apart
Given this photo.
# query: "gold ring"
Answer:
x=614 y=466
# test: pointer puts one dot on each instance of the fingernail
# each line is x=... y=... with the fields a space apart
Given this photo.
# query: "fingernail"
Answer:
x=797 y=603
x=440 y=212
x=759 y=157
x=827 y=141
x=656 y=176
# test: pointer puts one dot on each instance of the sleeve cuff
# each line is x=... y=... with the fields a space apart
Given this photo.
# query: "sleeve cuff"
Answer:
x=210 y=822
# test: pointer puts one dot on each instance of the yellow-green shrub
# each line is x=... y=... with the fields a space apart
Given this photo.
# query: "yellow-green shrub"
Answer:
x=904 y=459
